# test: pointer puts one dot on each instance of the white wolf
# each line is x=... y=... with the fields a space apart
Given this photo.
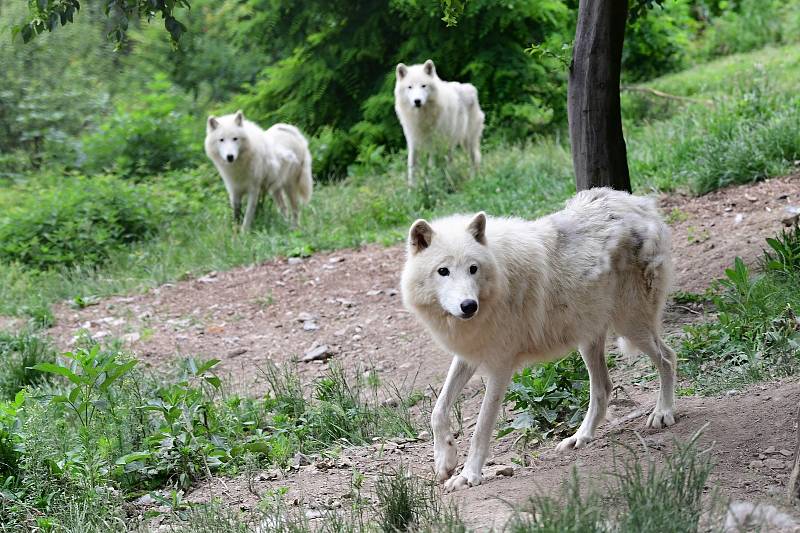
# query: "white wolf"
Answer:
x=434 y=111
x=253 y=161
x=501 y=292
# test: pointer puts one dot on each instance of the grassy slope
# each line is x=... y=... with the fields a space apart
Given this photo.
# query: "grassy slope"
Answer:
x=752 y=131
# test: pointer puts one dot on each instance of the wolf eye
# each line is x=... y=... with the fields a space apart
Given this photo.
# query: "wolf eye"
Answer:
x=235 y=139
x=444 y=271
x=473 y=269
x=409 y=86
x=423 y=85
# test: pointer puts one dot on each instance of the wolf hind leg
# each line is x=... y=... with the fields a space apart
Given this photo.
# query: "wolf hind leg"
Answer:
x=665 y=361
x=594 y=356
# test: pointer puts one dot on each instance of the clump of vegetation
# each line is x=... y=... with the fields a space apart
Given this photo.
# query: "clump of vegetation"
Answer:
x=110 y=425
x=80 y=221
x=646 y=497
x=19 y=353
x=755 y=333
x=152 y=135
x=550 y=399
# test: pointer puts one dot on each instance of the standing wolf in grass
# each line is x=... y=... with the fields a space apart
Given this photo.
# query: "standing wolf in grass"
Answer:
x=253 y=162
x=433 y=111
x=503 y=292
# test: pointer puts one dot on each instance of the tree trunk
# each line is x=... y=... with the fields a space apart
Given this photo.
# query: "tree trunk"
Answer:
x=595 y=122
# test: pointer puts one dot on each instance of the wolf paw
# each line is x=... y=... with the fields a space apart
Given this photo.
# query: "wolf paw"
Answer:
x=445 y=458
x=463 y=480
x=573 y=443
x=660 y=418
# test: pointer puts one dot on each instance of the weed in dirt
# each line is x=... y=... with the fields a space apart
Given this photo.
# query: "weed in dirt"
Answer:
x=19 y=353
x=550 y=399
x=666 y=498
x=755 y=333
x=642 y=496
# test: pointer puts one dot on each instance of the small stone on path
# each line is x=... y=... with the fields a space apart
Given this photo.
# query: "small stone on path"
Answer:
x=506 y=471
x=317 y=353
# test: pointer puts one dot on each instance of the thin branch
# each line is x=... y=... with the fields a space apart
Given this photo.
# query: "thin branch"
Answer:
x=661 y=94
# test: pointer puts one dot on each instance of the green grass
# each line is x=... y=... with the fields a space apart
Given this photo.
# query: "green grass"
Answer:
x=111 y=425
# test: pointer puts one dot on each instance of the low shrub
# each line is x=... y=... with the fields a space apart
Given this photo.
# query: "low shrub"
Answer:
x=157 y=133
x=78 y=222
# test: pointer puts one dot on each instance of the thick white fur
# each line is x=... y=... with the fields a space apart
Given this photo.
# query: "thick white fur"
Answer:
x=275 y=161
x=543 y=287
x=448 y=113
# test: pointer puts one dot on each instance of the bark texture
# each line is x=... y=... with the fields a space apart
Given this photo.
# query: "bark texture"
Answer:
x=599 y=156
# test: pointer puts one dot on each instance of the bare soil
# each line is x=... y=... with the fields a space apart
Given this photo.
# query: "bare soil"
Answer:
x=349 y=301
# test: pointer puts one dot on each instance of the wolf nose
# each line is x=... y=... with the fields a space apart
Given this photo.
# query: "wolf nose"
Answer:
x=418 y=102
x=230 y=158
x=469 y=307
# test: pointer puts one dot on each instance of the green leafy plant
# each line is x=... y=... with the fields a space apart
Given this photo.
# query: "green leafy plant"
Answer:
x=18 y=354
x=550 y=399
x=784 y=255
x=90 y=372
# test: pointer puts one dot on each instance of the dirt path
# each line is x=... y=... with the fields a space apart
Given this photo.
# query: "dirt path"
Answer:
x=348 y=301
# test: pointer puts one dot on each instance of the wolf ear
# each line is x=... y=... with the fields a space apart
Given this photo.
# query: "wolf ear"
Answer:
x=477 y=227
x=401 y=70
x=420 y=235
x=238 y=118
x=429 y=67
x=213 y=123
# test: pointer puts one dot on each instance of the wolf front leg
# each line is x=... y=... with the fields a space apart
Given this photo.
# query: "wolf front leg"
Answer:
x=445 y=453
x=471 y=475
x=252 y=204
x=412 y=163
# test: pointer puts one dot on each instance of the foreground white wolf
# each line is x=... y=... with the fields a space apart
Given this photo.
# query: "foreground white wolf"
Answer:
x=434 y=111
x=502 y=292
x=253 y=161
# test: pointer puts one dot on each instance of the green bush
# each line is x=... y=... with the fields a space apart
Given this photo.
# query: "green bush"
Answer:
x=79 y=222
x=750 y=24
x=659 y=41
x=551 y=398
x=153 y=134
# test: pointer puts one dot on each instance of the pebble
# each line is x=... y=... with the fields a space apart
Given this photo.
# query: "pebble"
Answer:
x=756 y=464
x=312 y=514
x=317 y=353
x=305 y=317
x=310 y=325
x=301 y=459
x=374 y=292
x=424 y=435
x=294 y=260
x=506 y=471
x=237 y=352
x=775 y=464
x=786 y=453
x=336 y=259
x=771 y=449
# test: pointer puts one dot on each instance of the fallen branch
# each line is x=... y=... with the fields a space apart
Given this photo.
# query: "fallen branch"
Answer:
x=661 y=94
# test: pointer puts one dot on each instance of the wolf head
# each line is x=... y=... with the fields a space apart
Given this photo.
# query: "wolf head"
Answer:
x=416 y=85
x=450 y=269
x=226 y=138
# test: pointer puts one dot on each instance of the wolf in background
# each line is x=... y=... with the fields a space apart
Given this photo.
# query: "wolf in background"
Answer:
x=252 y=162
x=434 y=112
